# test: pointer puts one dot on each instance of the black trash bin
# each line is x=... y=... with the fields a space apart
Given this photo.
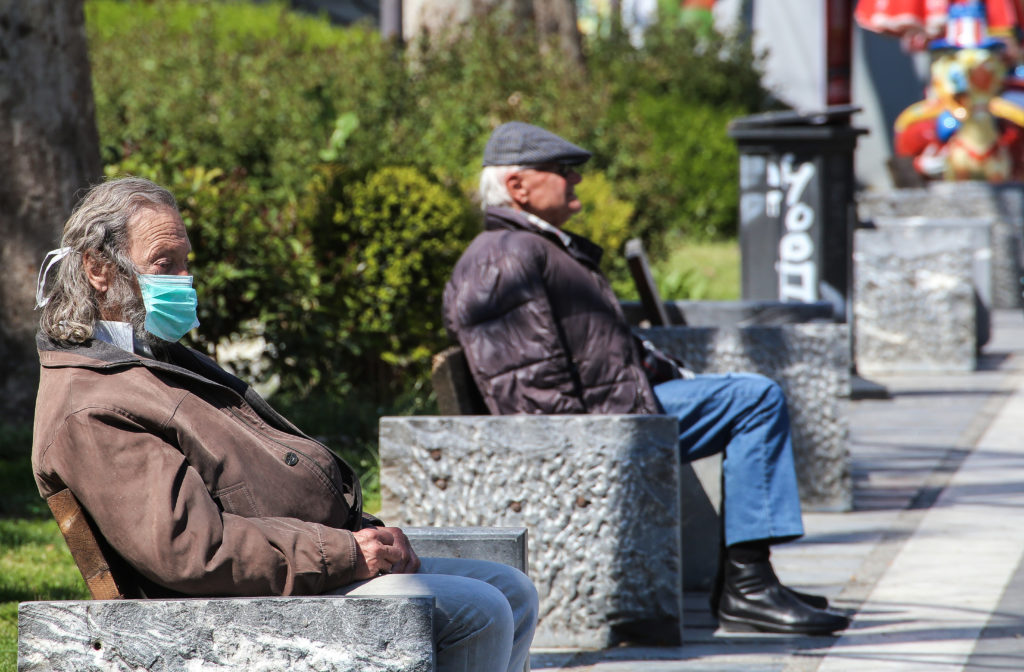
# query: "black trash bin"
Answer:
x=797 y=210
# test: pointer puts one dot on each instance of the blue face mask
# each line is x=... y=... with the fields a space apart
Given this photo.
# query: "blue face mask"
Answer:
x=170 y=305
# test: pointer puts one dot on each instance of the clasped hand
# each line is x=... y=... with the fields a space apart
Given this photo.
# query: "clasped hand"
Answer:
x=383 y=550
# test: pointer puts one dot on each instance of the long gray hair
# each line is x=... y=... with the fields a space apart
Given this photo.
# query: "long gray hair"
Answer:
x=99 y=224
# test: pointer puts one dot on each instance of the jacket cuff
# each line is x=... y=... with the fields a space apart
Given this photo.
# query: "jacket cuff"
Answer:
x=339 y=550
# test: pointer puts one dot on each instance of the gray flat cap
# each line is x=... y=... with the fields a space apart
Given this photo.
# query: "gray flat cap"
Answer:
x=517 y=143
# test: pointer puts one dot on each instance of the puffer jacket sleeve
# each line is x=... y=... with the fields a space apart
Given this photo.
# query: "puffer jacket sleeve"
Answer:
x=157 y=513
x=497 y=307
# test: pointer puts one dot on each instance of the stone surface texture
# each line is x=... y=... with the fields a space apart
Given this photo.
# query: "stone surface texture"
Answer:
x=811 y=363
x=979 y=231
x=507 y=545
x=914 y=301
x=1004 y=203
x=598 y=494
x=340 y=634
x=735 y=313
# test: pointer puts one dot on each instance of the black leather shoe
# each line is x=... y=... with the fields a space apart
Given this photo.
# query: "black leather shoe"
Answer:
x=816 y=601
x=753 y=600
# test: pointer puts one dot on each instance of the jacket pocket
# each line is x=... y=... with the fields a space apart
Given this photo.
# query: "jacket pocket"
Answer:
x=238 y=500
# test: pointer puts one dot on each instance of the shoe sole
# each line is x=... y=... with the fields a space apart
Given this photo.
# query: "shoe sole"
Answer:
x=741 y=625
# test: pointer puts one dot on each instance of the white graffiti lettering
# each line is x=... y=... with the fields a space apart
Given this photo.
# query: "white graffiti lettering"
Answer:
x=798 y=275
x=797 y=282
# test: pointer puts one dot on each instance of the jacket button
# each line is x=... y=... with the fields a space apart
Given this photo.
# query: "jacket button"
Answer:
x=291 y=459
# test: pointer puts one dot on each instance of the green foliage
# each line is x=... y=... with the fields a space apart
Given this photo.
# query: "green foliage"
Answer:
x=35 y=563
x=662 y=139
x=385 y=246
x=18 y=495
x=699 y=270
x=684 y=171
x=606 y=220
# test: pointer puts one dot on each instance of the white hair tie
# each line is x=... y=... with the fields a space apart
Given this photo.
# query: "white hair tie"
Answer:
x=44 y=270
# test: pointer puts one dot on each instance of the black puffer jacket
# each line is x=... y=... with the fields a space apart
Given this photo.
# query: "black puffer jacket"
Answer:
x=540 y=326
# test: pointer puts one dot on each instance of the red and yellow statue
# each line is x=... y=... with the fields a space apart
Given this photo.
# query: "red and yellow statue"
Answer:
x=971 y=124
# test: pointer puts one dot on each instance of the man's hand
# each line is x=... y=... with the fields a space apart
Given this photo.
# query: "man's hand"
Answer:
x=383 y=550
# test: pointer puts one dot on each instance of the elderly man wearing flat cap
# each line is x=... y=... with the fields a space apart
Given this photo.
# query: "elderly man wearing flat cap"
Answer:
x=543 y=333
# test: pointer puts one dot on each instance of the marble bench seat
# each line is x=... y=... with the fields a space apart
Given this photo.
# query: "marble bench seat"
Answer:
x=338 y=633
x=299 y=634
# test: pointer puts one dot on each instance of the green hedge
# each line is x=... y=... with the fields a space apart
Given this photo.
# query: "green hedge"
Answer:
x=325 y=176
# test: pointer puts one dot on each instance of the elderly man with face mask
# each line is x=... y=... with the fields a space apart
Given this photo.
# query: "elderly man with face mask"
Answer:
x=194 y=479
x=543 y=333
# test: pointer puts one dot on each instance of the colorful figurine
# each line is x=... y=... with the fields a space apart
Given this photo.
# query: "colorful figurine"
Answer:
x=971 y=124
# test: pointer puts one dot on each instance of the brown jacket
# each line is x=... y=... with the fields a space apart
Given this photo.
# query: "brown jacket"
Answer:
x=540 y=326
x=192 y=477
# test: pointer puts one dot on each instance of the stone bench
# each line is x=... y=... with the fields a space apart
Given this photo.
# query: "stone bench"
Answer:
x=339 y=633
x=1003 y=203
x=979 y=231
x=914 y=300
x=598 y=494
x=116 y=632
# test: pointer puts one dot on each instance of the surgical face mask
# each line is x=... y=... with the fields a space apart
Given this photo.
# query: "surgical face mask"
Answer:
x=170 y=305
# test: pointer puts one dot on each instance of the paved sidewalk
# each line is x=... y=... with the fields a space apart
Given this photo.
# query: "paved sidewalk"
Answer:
x=931 y=560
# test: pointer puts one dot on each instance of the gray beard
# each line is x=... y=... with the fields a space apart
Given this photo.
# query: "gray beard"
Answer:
x=123 y=298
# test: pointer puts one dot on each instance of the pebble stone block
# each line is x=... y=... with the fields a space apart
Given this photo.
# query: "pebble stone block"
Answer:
x=336 y=634
x=914 y=301
x=811 y=363
x=979 y=230
x=599 y=496
x=1003 y=202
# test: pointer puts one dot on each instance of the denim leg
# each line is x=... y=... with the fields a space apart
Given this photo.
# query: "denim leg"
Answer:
x=745 y=416
x=485 y=616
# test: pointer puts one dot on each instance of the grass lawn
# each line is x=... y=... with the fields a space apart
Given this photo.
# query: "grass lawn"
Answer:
x=708 y=271
x=35 y=563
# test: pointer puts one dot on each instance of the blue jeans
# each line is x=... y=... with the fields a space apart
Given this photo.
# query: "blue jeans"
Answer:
x=744 y=416
x=485 y=612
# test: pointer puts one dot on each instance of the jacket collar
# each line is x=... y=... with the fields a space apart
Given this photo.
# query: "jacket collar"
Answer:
x=168 y=358
x=582 y=249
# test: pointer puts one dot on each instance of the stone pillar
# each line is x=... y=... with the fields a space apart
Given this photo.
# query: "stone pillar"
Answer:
x=914 y=301
x=598 y=494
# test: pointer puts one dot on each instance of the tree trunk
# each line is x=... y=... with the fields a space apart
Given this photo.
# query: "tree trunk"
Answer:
x=50 y=150
x=556 y=19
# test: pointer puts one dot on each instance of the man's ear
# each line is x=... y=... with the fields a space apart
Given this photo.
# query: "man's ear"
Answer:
x=97 y=271
x=517 y=189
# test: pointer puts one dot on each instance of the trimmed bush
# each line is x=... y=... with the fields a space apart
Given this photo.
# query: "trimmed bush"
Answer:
x=386 y=246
